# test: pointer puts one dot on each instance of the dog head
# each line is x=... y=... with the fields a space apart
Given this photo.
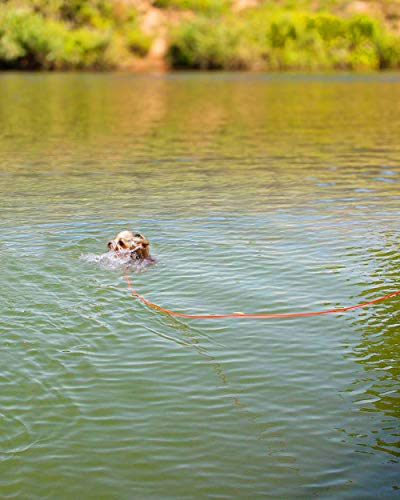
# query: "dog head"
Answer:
x=127 y=241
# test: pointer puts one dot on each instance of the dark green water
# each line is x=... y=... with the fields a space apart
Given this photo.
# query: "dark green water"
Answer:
x=258 y=194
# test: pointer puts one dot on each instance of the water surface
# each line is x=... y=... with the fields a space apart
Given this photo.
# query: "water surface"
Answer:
x=258 y=194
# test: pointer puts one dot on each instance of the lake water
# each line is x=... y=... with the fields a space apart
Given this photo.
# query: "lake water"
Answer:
x=258 y=193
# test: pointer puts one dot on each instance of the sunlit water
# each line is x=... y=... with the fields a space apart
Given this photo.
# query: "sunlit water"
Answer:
x=258 y=194
x=112 y=261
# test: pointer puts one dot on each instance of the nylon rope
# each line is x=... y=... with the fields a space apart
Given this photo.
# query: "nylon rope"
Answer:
x=254 y=315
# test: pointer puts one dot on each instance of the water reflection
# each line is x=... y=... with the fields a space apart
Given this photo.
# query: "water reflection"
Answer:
x=249 y=112
x=378 y=350
x=259 y=193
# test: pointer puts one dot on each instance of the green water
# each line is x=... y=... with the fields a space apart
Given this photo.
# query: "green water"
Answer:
x=258 y=194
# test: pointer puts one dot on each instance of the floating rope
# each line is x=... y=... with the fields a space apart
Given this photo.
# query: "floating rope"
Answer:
x=254 y=315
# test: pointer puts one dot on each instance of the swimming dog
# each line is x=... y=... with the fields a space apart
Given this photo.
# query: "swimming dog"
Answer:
x=135 y=243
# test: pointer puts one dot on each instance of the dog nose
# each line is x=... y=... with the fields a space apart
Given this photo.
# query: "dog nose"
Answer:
x=110 y=244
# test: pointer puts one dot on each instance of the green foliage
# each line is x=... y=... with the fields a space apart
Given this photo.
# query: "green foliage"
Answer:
x=204 y=6
x=100 y=14
x=95 y=13
x=205 y=44
x=68 y=34
x=84 y=48
x=268 y=38
x=137 y=42
x=28 y=40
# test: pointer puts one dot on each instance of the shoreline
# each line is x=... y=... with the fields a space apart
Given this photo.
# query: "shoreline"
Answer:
x=204 y=72
x=147 y=36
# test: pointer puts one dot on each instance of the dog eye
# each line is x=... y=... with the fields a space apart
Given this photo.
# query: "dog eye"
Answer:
x=121 y=243
x=137 y=235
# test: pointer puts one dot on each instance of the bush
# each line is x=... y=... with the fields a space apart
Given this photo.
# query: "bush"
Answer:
x=388 y=50
x=85 y=34
x=206 y=44
x=97 y=13
x=203 y=6
x=268 y=38
x=136 y=41
x=30 y=41
x=84 y=49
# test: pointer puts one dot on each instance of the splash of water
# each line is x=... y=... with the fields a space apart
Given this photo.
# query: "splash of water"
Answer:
x=113 y=260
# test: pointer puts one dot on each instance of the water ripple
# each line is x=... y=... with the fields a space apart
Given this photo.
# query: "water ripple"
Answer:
x=267 y=194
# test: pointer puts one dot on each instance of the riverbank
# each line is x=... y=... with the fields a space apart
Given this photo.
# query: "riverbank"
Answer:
x=142 y=35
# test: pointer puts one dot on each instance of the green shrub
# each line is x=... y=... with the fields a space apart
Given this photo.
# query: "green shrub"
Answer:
x=203 y=6
x=29 y=40
x=137 y=42
x=268 y=38
x=84 y=49
x=95 y=13
x=328 y=27
x=206 y=44
x=388 y=51
x=101 y=14
x=68 y=34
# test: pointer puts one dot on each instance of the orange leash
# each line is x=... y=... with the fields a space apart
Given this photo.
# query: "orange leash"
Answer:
x=254 y=315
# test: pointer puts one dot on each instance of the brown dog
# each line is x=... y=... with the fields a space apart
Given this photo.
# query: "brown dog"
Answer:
x=135 y=243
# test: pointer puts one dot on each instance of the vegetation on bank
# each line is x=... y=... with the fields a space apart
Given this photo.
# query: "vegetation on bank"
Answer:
x=199 y=34
x=279 y=39
x=69 y=34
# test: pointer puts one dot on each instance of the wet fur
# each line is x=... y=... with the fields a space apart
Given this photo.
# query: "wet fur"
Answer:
x=127 y=241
